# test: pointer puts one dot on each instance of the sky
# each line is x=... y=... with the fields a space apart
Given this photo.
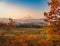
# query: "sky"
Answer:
x=23 y=9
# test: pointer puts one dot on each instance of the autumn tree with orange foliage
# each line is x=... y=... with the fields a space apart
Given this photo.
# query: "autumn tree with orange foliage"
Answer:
x=53 y=19
x=53 y=16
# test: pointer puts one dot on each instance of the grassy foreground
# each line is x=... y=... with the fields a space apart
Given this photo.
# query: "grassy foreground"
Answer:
x=27 y=37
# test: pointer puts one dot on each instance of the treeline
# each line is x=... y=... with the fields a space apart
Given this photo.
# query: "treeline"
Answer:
x=13 y=24
x=28 y=26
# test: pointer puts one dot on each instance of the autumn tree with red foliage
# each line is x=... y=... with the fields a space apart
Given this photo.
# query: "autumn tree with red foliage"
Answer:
x=53 y=19
x=53 y=16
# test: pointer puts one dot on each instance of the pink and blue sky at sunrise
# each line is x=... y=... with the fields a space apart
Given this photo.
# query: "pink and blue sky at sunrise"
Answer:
x=23 y=9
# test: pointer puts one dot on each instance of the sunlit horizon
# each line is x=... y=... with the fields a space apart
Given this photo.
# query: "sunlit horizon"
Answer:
x=22 y=10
